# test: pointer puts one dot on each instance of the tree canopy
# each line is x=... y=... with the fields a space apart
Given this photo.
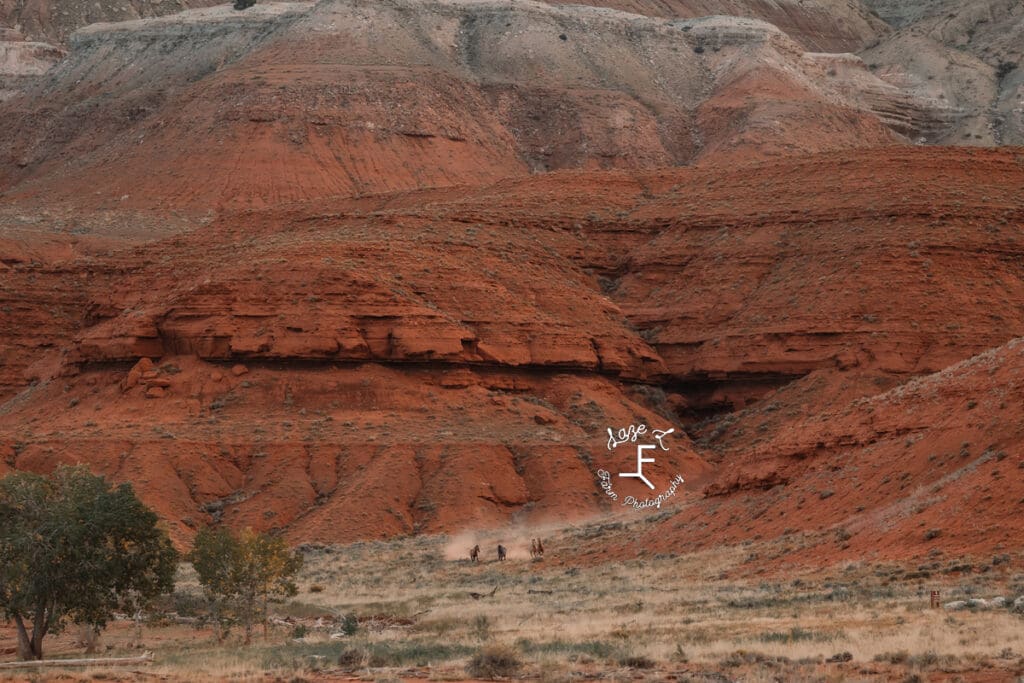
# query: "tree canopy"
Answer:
x=241 y=572
x=73 y=547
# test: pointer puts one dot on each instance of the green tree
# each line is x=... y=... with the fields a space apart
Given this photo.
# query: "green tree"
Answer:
x=72 y=547
x=240 y=573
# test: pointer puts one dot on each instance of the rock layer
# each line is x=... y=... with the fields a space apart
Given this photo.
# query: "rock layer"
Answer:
x=355 y=98
x=53 y=21
x=22 y=62
x=969 y=55
x=821 y=25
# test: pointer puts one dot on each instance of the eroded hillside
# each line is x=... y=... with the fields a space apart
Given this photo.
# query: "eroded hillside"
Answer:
x=968 y=55
x=435 y=360
x=356 y=99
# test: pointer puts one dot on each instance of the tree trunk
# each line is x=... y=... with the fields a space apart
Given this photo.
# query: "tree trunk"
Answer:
x=248 y=626
x=37 y=643
x=24 y=645
x=31 y=648
x=89 y=637
x=250 y=615
x=218 y=623
x=38 y=631
x=263 y=616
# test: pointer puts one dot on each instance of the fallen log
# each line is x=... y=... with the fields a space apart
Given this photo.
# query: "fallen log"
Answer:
x=145 y=658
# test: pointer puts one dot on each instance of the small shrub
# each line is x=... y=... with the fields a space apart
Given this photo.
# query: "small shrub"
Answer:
x=351 y=658
x=590 y=649
x=899 y=657
x=932 y=534
x=300 y=631
x=350 y=624
x=925 y=660
x=494 y=661
x=794 y=635
x=316 y=588
x=745 y=657
x=482 y=627
x=1004 y=69
x=637 y=662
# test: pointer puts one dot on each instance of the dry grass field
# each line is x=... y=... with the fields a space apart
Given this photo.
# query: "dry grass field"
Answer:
x=406 y=609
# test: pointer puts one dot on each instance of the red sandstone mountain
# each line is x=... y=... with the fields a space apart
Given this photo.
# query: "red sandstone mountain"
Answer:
x=825 y=25
x=364 y=308
x=445 y=359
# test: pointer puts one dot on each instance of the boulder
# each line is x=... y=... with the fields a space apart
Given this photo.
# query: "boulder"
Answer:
x=138 y=371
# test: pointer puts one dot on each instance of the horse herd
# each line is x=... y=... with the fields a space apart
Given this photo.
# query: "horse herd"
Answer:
x=536 y=551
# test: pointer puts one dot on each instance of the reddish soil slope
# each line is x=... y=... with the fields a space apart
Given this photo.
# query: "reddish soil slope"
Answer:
x=338 y=452
x=927 y=471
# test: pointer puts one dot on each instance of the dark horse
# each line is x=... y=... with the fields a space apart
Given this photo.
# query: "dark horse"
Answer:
x=501 y=552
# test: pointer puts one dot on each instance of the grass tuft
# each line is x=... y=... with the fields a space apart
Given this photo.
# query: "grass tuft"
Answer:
x=494 y=661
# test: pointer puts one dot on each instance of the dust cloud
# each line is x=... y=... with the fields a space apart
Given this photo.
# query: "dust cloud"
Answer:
x=515 y=540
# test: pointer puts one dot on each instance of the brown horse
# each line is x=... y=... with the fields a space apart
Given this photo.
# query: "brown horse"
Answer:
x=501 y=553
x=474 y=554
